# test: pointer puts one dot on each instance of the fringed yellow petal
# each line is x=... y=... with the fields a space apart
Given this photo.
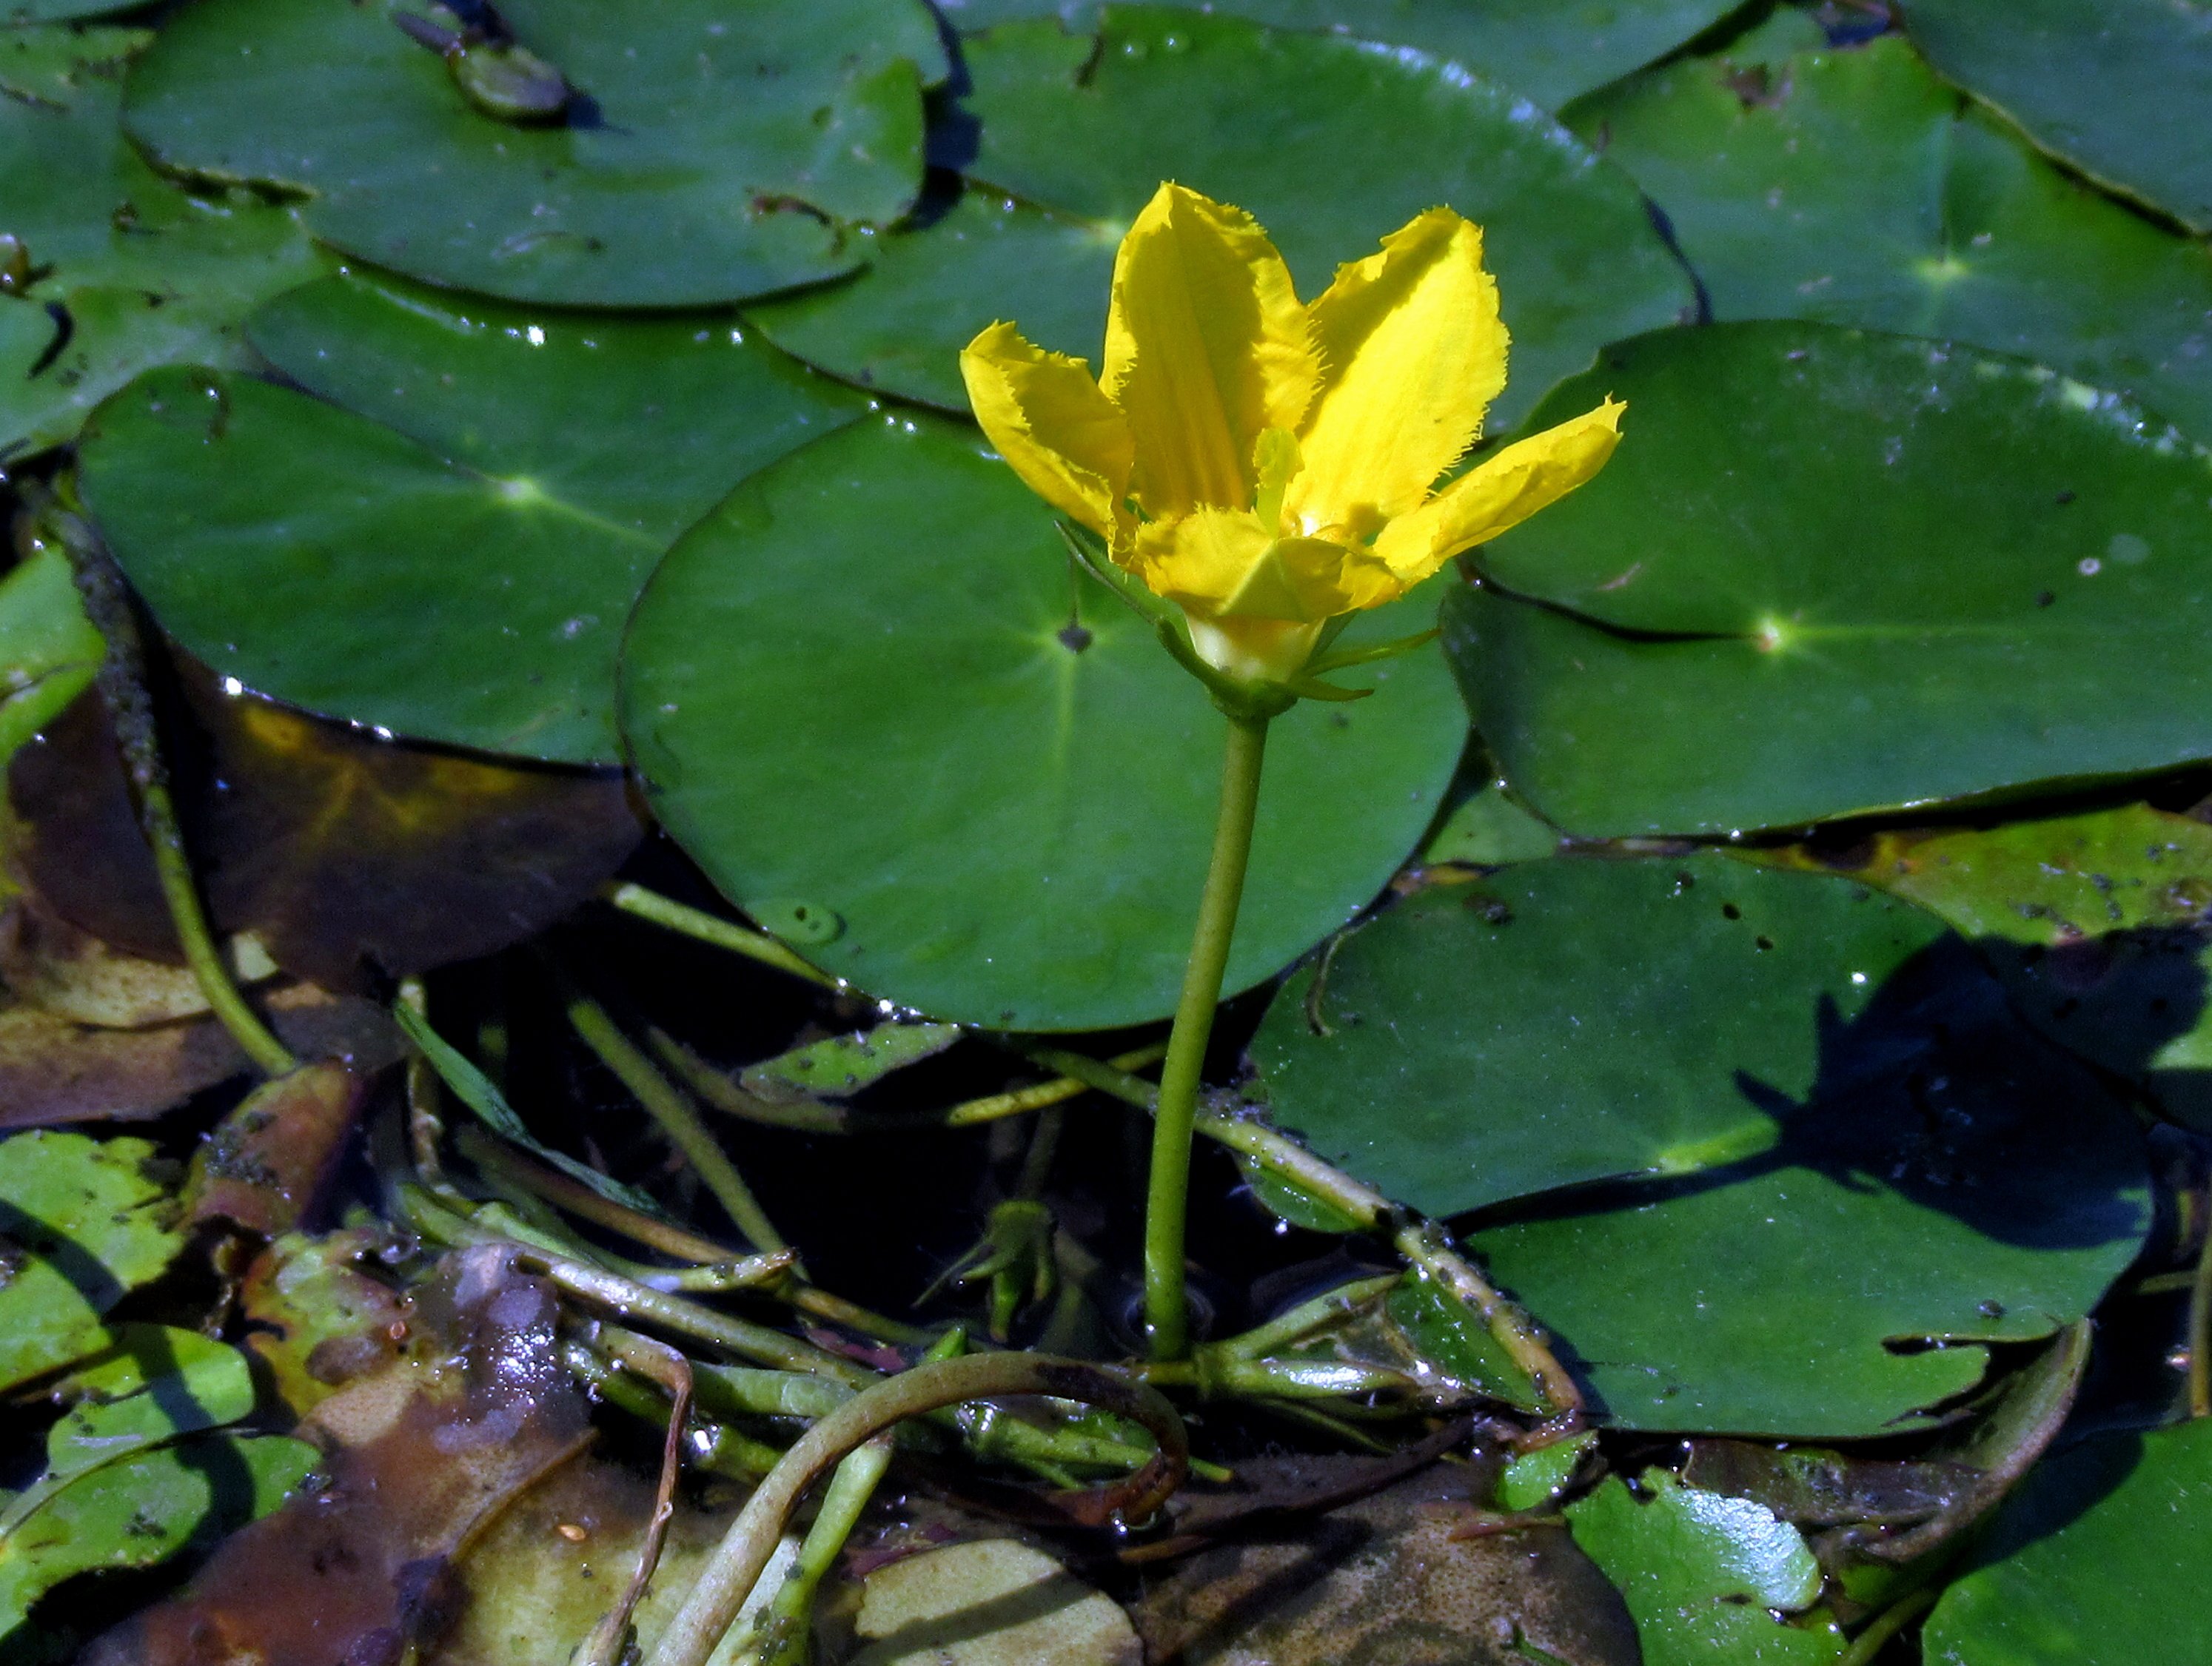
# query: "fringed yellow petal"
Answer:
x=1056 y=429
x=1501 y=492
x=1225 y=564
x=1206 y=347
x=1412 y=353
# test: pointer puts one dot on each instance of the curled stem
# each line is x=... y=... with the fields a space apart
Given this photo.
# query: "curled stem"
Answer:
x=1167 y=1309
x=736 y=1566
x=780 y=1638
x=609 y=1641
x=122 y=681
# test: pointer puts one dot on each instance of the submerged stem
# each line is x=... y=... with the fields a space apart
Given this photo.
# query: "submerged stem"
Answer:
x=122 y=681
x=1167 y=1312
x=673 y=916
x=730 y=1574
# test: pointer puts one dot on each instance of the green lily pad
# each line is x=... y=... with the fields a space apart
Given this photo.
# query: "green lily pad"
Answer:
x=140 y=272
x=154 y=1382
x=49 y=650
x=58 y=11
x=1575 y=1019
x=1488 y=828
x=1329 y=143
x=1705 y=1576
x=1547 y=50
x=2096 y=1561
x=140 y=1512
x=1856 y=188
x=2106 y=84
x=1830 y=572
x=1951 y=1179
x=84 y=1223
x=529 y=476
x=712 y=151
x=872 y=682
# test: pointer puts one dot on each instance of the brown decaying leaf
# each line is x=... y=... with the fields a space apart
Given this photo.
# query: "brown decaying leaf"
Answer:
x=53 y=1071
x=317 y=1322
x=46 y=962
x=267 y=1160
x=424 y=1455
x=338 y=850
x=1383 y=1579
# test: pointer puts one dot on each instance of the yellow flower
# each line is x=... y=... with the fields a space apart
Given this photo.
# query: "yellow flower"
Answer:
x=1266 y=465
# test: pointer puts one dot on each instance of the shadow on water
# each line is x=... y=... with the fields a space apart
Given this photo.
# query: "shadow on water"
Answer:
x=1940 y=1091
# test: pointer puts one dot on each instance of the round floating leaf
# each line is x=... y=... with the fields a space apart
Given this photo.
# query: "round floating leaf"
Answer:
x=127 y=270
x=1856 y=188
x=1573 y=1020
x=85 y=1223
x=462 y=575
x=1549 y=50
x=49 y=650
x=2097 y=1560
x=715 y=149
x=873 y=684
x=1948 y=1177
x=1875 y=571
x=1329 y=143
x=2112 y=86
x=1706 y=1577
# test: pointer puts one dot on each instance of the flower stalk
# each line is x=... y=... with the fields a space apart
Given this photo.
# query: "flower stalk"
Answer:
x=1167 y=1307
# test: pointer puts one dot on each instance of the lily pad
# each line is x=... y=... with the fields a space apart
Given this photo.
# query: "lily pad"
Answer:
x=1856 y=188
x=1575 y=1020
x=2095 y=1560
x=494 y=504
x=2099 y=83
x=85 y=1223
x=127 y=270
x=1832 y=572
x=1329 y=143
x=49 y=650
x=140 y=1512
x=1951 y=1179
x=719 y=149
x=1549 y=50
x=1707 y=1577
x=873 y=682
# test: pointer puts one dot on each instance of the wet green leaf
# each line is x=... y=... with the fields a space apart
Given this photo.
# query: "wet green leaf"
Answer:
x=2043 y=879
x=1543 y=1476
x=82 y=1222
x=56 y=11
x=1572 y=1020
x=1855 y=188
x=1008 y=817
x=1488 y=828
x=715 y=151
x=2097 y=1560
x=1447 y=1333
x=1702 y=1573
x=142 y=273
x=1330 y=144
x=1545 y=49
x=1880 y=571
x=153 y=1383
x=140 y=1511
x=842 y=1065
x=48 y=649
x=1952 y=1177
x=2102 y=83
x=495 y=502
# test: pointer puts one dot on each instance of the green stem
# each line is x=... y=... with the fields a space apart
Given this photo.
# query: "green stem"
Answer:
x=122 y=681
x=728 y=1578
x=781 y=1636
x=673 y=916
x=1885 y=1625
x=2200 y=1332
x=670 y=1107
x=1167 y=1312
